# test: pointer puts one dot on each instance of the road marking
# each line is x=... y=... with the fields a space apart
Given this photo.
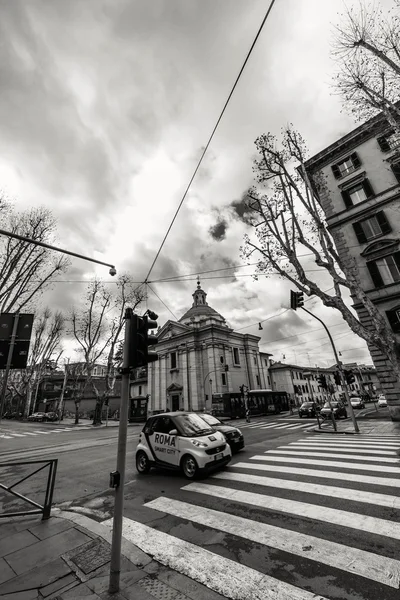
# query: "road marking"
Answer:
x=358 y=562
x=3 y=436
x=303 y=426
x=259 y=424
x=373 y=498
x=307 y=446
x=328 y=463
x=352 y=440
x=369 y=479
x=39 y=431
x=222 y=575
x=360 y=522
x=17 y=434
x=269 y=426
x=29 y=433
x=355 y=445
x=334 y=455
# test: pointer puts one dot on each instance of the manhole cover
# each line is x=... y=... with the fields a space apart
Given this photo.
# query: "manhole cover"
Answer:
x=93 y=556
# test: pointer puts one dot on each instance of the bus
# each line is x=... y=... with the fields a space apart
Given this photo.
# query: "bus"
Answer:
x=260 y=402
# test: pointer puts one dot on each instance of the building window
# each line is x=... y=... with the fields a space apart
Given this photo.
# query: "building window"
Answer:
x=346 y=166
x=140 y=390
x=385 y=271
x=174 y=361
x=221 y=359
x=223 y=378
x=394 y=319
x=372 y=227
x=390 y=141
x=269 y=380
x=255 y=359
x=266 y=362
x=236 y=356
x=258 y=380
x=357 y=193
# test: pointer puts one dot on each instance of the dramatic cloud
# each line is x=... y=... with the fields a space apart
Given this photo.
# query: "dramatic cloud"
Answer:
x=105 y=109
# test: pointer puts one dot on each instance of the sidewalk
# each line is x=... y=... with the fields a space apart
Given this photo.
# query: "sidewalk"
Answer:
x=68 y=558
x=367 y=427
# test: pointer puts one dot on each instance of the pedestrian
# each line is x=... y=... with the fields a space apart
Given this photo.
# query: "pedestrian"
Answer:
x=247 y=415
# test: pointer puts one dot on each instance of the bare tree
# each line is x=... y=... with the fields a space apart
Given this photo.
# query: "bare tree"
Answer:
x=288 y=219
x=44 y=353
x=26 y=270
x=97 y=328
x=366 y=48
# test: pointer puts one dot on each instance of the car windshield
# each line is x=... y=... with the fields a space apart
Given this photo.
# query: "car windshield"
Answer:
x=192 y=424
x=307 y=404
x=211 y=420
x=333 y=404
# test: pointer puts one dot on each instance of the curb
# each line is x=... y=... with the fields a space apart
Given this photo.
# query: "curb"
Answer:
x=334 y=432
x=128 y=550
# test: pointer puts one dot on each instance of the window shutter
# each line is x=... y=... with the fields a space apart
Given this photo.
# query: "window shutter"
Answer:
x=393 y=319
x=396 y=170
x=347 y=199
x=355 y=159
x=383 y=222
x=336 y=171
x=368 y=188
x=375 y=275
x=358 y=230
x=383 y=144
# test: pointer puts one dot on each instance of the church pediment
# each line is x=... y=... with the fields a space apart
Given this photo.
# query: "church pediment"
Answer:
x=170 y=330
x=174 y=387
x=380 y=247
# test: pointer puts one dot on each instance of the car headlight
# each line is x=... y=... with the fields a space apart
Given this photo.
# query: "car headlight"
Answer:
x=199 y=444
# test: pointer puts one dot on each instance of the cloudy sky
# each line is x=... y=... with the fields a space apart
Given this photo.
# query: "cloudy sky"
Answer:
x=105 y=108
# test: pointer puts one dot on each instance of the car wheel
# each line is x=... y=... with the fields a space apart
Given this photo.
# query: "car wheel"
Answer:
x=142 y=463
x=189 y=466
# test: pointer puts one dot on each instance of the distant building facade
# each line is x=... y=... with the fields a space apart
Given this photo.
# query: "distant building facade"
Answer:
x=361 y=201
x=201 y=356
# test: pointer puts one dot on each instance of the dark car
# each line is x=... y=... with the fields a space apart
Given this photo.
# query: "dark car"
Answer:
x=38 y=416
x=339 y=410
x=233 y=435
x=51 y=416
x=308 y=409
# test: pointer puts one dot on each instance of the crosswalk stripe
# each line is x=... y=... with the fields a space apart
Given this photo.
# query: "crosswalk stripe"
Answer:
x=224 y=576
x=17 y=434
x=39 y=431
x=305 y=446
x=360 y=522
x=353 y=477
x=353 y=439
x=302 y=426
x=29 y=433
x=368 y=565
x=352 y=445
x=373 y=498
x=269 y=426
x=261 y=423
x=278 y=426
x=328 y=463
x=334 y=455
x=6 y=437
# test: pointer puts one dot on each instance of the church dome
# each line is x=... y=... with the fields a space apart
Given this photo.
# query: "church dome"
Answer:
x=200 y=310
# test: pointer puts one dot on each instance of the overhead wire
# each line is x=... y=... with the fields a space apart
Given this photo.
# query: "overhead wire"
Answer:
x=210 y=139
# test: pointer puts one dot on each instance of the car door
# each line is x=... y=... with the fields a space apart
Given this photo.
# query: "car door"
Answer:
x=165 y=445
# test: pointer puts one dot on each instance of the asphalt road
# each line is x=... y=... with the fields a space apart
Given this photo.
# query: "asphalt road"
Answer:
x=296 y=514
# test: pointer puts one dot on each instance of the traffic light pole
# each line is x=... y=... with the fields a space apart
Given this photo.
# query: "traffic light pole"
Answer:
x=115 y=566
x=340 y=369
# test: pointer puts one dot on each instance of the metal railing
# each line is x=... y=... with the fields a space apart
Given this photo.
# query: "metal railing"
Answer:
x=44 y=509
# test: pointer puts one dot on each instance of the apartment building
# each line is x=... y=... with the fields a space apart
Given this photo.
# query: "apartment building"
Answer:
x=360 y=195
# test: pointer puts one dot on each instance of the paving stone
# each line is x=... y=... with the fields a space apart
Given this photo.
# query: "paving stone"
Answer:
x=23 y=539
x=133 y=592
x=10 y=526
x=192 y=589
x=39 y=577
x=45 y=551
x=6 y=571
x=58 y=585
x=50 y=527
x=28 y=595
x=80 y=591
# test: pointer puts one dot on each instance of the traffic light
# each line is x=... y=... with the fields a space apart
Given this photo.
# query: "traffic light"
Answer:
x=139 y=354
x=349 y=375
x=322 y=381
x=337 y=378
x=296 y=299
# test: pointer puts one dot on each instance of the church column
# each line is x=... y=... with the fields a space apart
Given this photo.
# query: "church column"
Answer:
x=163 y=381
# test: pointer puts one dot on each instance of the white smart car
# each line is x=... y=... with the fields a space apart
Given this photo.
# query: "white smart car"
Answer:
x=181 y=440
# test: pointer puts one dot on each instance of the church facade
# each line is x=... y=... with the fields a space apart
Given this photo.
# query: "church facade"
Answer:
x=200 y=356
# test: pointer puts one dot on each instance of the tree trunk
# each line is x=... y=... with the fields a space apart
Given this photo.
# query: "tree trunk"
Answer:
x=97 y=412
x=77 y=405
x=28 y=400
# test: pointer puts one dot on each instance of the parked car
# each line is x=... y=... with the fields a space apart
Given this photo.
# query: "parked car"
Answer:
x=233 y=435
x=38 y=416
x=382 y=401
x=181 y=441
x=51 y=416
x=308 y=409
x=339 y=410
x=356 y=402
